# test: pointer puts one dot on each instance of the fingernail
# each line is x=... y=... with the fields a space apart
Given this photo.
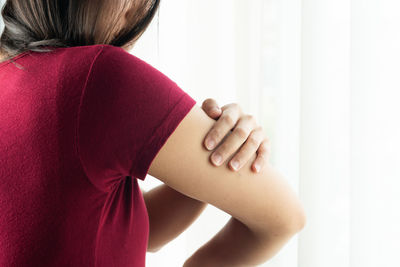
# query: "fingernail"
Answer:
x=235 y=164
x=210 y=144
x=257 y=166
x=217 y=158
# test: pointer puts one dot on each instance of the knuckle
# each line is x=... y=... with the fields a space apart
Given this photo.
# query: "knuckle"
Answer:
x=264 y=147
x=239 y=108
x=235 y=105
x=253 y=140
x=228 y=120
x=225 y=150
x=250 y=117
x=240 y=132
x=261 y=133
x=263 y=156
x=265 y=139
x=214 y=135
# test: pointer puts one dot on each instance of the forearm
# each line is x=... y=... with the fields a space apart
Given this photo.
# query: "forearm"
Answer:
x=170 y=213
x=237 y=245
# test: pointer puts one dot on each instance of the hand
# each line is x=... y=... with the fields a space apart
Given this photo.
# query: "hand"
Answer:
x=246 y=132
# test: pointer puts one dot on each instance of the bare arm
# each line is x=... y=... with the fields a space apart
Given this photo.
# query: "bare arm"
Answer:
x=262 y=202
x=165 y=224
x=170 y=213
x=236 y=245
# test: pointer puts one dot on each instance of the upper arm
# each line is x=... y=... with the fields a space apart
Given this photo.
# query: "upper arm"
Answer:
x=261 y=199
x=134 y=120
x=127 y=111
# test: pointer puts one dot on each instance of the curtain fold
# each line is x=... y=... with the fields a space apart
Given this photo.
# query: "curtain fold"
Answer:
x=323 y=79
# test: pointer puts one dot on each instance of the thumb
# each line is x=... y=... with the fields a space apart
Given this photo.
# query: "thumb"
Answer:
x=210 y=106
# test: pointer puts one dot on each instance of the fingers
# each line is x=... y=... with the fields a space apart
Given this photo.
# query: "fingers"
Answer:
x=239 y=135
x=222 y=127
x=262 y=156
x=245 y=139
x=211 y=107
x=248 y=149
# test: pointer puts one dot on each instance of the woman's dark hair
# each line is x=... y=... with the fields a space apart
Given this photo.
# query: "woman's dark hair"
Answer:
x=36 y=25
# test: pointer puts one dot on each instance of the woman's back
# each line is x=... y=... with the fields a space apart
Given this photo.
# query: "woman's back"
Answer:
x=79 y=126
x=73 y=126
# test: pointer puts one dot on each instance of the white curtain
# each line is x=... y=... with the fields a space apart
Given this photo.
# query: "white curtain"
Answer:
x=323 y=79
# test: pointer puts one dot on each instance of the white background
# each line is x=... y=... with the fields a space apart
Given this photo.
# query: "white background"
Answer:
x=323 y=79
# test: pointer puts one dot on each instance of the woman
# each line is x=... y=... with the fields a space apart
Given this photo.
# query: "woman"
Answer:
x=82 y=119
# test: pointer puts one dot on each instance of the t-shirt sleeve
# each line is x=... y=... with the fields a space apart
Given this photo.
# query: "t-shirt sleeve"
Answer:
x=128 y=110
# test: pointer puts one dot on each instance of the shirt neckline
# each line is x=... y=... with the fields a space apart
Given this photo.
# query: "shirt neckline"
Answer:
x=8 y=61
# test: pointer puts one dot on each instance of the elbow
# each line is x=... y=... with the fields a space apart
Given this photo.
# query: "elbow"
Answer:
x=290 y=224
x=296 y=222
x=301 y=220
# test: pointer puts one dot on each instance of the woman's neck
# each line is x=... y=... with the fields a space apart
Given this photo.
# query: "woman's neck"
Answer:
x=2 y=57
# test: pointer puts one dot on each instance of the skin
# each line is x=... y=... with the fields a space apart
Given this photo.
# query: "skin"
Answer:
x=265 y=209
x=1 y=57
x=247 y=139
x=166 y=224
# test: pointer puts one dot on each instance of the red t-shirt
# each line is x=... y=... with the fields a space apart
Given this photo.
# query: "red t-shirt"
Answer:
x=77 y=127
